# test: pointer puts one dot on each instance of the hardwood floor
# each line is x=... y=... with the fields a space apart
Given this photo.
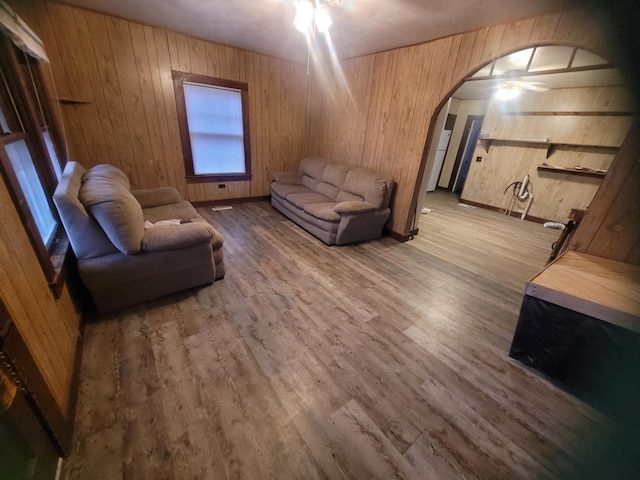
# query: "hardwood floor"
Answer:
x=504 y=249
x=379 y=360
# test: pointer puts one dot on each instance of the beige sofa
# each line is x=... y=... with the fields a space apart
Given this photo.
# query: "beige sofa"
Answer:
x=337 y=203
x=121 y=261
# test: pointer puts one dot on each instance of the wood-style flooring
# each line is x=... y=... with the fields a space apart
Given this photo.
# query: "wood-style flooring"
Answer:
x=374 y=361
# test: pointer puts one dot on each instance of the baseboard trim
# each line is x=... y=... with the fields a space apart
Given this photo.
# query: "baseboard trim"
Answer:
x=229 y=201
x=400 y=236
x=502 y=210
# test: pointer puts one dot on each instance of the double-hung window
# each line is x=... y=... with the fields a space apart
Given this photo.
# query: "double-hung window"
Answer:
x=214 y=127
x=29 y=156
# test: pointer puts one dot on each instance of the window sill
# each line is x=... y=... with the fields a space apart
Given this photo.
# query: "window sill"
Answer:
x=226 y=177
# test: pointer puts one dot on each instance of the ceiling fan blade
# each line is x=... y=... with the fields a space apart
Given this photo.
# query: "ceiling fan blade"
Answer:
x=534 y=88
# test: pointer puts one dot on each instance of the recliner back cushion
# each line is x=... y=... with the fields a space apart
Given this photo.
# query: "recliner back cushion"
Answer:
x=85 y=234
x=105 y=194
x=108 y=173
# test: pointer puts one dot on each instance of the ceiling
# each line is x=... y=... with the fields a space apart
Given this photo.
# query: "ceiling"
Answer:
x=359 y=27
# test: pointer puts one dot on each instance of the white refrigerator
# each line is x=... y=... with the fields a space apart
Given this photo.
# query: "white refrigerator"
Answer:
x=438 y=161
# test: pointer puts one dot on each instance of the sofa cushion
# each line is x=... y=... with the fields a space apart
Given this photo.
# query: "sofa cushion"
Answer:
x=310 y=182
x=301 y=199
x=313 y=167
x=323 y=211
x=182 y=210
x=366 y=184
x=328 y=190
x=345 y=196
x=175 y=236
x=155 y=197
x=350 y=208
x=287 y=177
x=335 y=173
x=117 y=211
x=283 y=189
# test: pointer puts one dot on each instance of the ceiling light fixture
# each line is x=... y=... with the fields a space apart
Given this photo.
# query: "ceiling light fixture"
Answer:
x=508 y=92
x=309 y=16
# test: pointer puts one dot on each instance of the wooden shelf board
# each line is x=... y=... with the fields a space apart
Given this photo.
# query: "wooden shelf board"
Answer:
x=72 y=101
x=551 y=146
x=574 y=114
x=572 y=171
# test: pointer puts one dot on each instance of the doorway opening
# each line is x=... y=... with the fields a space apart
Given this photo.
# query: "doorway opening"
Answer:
x=549 y=116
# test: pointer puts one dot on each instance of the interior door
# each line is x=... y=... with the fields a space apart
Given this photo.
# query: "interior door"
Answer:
x=473 y=132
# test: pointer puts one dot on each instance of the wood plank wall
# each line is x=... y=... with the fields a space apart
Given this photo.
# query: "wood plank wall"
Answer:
x=49 y=327
x=555 y=194
x=116 y=75
x=611 y=226
x=383 y=121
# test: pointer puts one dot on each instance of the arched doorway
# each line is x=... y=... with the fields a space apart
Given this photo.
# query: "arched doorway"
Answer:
x=554 y=117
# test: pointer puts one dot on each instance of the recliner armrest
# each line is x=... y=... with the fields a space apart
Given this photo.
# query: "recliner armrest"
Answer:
x=287 y=178
x=353 y=207
x=154 y=197
x=175 y=236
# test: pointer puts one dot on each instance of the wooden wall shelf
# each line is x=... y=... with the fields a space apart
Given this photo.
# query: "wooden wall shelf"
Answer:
x=573 y=114
x=573 y=171
x=550 y=146
x=72 y=101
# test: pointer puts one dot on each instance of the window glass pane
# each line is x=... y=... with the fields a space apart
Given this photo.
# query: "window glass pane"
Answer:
x=551 y=58
x=52 y=154
x=484 y=71
x=587 y=59
x=32 y=190
x=516 y=62
x=214 y=116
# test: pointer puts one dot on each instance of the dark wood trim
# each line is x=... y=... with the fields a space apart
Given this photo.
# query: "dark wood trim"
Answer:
x=221 y=178
x=502 y=210
x=230 y=201
x=13 y=347
x=178 y=80
x=401 y=237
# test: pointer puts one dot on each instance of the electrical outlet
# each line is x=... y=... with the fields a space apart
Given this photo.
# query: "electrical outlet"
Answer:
x=222 y=185
x=478 y=159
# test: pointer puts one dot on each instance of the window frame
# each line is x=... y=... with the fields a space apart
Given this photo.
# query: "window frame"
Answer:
x=178 y=79
x=51 y=256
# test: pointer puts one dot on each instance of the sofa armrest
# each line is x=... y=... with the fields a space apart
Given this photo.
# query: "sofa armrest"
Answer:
x=175 y=236
x=155 y=197
x=287 y=177
x=353 y=207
